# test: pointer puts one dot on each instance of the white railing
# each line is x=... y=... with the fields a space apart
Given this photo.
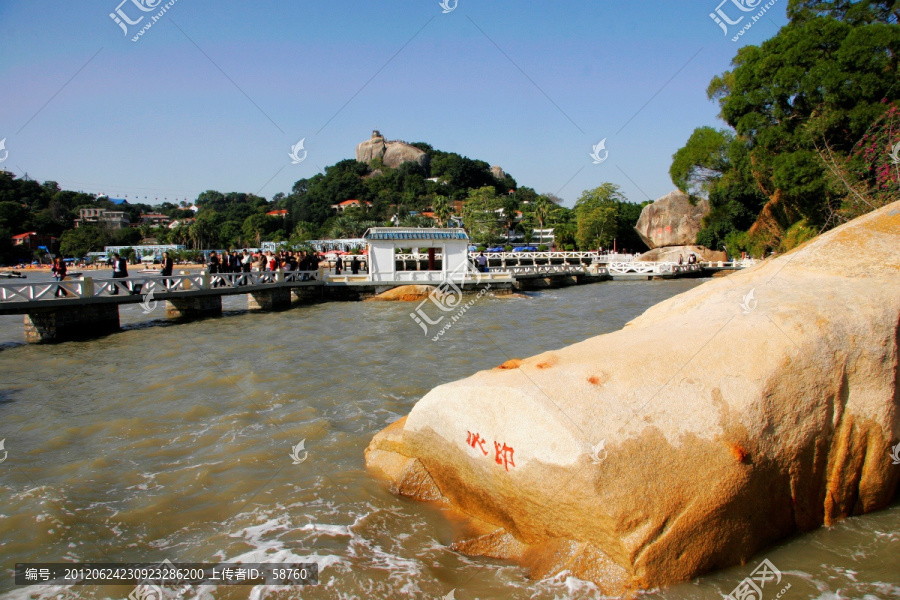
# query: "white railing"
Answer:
x=47 y=290
x=549 y=270
x=144 y=284
x=537 y=255
x=650 y=268
x=494 y=256
x=731 y=264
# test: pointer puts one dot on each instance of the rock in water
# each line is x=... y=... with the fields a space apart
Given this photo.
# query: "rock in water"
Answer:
x=407 y=293
x=392 y=154
x=671 y=221
x=718 y=422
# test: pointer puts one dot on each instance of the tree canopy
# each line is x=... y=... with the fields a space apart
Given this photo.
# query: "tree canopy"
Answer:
x=798 y=105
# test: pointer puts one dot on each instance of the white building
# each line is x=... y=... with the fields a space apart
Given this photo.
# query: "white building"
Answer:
x=446 y=249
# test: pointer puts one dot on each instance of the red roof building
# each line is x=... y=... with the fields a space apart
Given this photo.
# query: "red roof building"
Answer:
x=353 y=203
x=32 y=240
x=277 y=213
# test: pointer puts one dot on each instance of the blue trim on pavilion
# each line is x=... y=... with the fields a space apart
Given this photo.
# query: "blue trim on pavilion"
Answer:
x=397 y=233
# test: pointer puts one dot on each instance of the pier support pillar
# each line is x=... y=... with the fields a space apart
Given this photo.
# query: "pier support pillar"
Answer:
x=195 y=307
x=308 y=295
x=70 y=322
x=274 y=299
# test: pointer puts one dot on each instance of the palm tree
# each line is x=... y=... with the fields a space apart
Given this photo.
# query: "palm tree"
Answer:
x=442 y=210
x=542 y=209
x=345 y=227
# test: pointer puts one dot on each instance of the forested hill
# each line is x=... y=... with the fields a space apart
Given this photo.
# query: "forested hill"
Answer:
x=422 y=193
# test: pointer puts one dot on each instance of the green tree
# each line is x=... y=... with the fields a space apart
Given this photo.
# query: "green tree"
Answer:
x=442 y=211
x=702 y=161
x=253 y=228
x=596 y=213
x=542 y=210
x=597 y=227
x=481 y=217
x=79 y=241
x=824 y=79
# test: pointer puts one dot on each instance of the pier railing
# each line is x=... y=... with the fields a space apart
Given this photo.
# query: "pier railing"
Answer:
x=650 y=268
x=89 y=287
x=527 y=270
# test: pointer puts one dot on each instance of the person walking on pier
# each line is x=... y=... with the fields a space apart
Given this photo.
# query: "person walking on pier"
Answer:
x=120 y=271
x=59 y=273
x=167 y=265
x=338 y=265
x=354 y=266
x=482 y=262
x=215 y=267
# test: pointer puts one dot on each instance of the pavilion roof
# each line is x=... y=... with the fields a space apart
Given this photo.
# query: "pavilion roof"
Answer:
x=410 y=233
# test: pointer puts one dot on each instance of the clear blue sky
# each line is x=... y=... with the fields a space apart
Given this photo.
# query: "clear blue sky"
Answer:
x=215 y=93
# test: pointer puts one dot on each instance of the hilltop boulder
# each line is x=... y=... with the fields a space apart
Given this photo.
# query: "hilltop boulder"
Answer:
x=768 y=406
x=392 y=154
x=671 y=221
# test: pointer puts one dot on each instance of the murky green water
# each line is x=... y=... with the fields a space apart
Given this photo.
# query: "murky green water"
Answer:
x=173 y=442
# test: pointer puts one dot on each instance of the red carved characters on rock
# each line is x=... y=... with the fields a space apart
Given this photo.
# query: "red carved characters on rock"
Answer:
x=504 y=455
x=474 y=438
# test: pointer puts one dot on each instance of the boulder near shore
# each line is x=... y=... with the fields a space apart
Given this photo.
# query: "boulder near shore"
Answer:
x=746 y=410
x=672 y=220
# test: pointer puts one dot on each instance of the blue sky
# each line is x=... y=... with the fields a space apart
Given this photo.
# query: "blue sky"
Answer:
x=215 y=93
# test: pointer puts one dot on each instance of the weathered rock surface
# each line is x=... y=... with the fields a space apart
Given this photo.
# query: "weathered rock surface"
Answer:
x=767 y=407
x=671 y=254
x=671 y=221
x=498 y=172
x=405 y=293
x=392 y=154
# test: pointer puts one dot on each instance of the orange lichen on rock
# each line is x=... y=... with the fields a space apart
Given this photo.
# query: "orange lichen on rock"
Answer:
x=739 y=452
x=513 y=363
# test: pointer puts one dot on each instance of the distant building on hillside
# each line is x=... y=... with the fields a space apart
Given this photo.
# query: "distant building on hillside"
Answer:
x=178 y=222
x=543 y=236
x=116 y=219
x=350 y=204
x=155 y=219
x=34 y=240
x=277 y=213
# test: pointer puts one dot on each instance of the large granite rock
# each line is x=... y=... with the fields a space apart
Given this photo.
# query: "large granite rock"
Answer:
x=671 y=221
x=720 y=421
x=392 y=154
x=407 y=293
x=671 y=254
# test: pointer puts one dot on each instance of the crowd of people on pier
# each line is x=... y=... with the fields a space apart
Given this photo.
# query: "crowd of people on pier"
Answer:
x=259 y=261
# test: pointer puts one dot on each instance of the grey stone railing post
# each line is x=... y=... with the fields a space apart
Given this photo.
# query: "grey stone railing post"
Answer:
x=87 y=287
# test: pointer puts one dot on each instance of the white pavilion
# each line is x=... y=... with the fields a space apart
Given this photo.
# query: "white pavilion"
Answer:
x=447 y=251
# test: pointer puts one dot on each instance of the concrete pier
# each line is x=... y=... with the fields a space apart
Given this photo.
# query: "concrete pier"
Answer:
x=308 y=295
x=194 y=307
x=70 y=322
x=274 y=299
